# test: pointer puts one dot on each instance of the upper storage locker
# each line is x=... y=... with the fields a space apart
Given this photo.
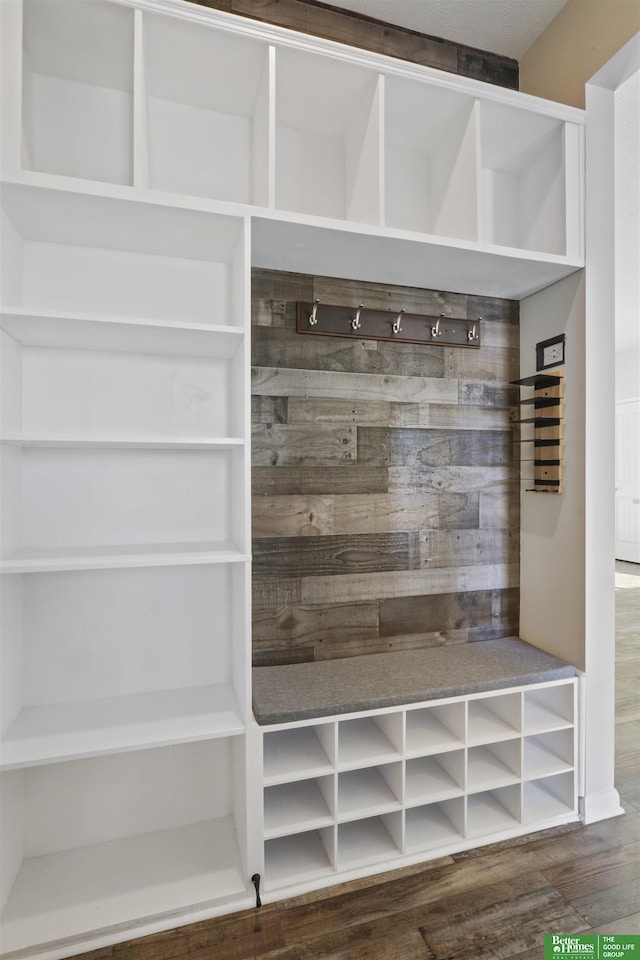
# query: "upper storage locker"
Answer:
x=77 y=89
x=523 y=179
x=207 y=108
x=430 y=160
x=328 y=127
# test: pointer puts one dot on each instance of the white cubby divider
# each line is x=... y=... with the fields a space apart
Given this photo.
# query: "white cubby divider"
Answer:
x=407 y=782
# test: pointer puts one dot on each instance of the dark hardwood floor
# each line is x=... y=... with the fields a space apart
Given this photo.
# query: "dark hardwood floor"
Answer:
x=495 y=902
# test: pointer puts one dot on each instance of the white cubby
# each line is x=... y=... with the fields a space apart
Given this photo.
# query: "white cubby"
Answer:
x=328 y=133
x=73 y=253
x=207 y=110
x=548 y=753
x=494 y=718
x=495 y=765
x=369 y=791
x=299 y=752
x=371 y=840
x=368 y=740
x=522 y=188
x=494 y=811
x=77 y=89
x=300 y=858
x=434 y=825
x=431 y=167
x=549 y=797
x=550 y=708
x=146 y=848
x=431 y=779
x=435 y=729
x=105 y=660
x=298 y=806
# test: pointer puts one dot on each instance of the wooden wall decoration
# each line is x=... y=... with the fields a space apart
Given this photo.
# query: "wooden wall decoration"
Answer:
x=345 y=26
x=386 y=490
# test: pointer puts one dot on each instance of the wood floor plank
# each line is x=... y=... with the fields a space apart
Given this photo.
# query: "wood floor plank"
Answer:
x=586 y=876
x=605 y=906
x=503 y=928
x=629 y=924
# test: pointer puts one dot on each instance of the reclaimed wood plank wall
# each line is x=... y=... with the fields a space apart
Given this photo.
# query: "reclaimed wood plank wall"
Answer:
x=345 y=26
x=385 y=488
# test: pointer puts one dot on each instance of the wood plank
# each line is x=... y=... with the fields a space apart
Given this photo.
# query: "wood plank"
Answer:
x=449 y=548
x=411 y=583
x=270 y=594
x=441 y=416
x=435 y=612
x=481 y=66
x=314 y=625
x=337 y=646
x=272 y=313
x=604 y=906
x=504 y=928
x=488 y=393
x=329 y=410
x=272 y=347
x=354 y=478
x=354 y=386
x=500 y=364
x=296 y=516
x=280 y=285
x=382 y=296
x=298 y=444
x=496 y=510
x=418 y=449
x=587 y=876
x=269 y=410
x=333 y=557
x=501 y=481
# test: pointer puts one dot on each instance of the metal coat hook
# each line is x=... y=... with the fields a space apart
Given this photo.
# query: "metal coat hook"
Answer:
x=436 y=331
x=355 y=323
x=396 y=324
x=472 y=334
x=313 y=318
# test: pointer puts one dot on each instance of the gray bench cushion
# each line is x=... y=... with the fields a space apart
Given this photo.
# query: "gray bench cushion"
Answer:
x=302 y=691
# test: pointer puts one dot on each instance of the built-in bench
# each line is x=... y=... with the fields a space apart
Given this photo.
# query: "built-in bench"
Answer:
x=304 y=691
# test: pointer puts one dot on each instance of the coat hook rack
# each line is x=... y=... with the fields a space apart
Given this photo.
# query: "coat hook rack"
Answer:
x=366 y=323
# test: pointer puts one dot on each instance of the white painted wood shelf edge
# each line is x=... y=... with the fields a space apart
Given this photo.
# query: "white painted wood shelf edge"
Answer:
x=91 y=728
x=123 y=555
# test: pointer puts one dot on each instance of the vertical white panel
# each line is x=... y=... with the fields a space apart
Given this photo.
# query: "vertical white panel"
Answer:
x=11 y=647
x=263 y=135
x=140 y=131
x=11 y=830
x=574 y=189
x=362 y=165
x=11 y=91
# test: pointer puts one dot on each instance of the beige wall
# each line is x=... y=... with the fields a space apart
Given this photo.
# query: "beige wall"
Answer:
x=581 y=39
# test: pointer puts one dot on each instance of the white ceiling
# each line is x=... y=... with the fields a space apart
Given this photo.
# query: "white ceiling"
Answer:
x=508 y=27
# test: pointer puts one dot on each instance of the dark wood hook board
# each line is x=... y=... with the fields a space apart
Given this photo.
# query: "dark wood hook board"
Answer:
x=364 y=323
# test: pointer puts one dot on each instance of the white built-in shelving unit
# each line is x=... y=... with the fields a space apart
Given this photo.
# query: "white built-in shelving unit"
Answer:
x=152 y=152
x=402 y=784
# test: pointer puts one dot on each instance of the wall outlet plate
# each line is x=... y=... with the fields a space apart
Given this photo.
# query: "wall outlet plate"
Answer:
x=550 y=353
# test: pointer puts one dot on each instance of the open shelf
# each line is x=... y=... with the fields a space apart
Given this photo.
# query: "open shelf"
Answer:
x=494 y=766
x=435 y=729
x=298 y=753
x=429 y=779
x=88 y=728
x=431 y=178
x=77 y=79
x=49 y=560
x=548 y=798
x=367 y=741
x=547 y=754
x=434 y=825
x=206 y=105
x=493 y=811
x=298 y=807
x=299 y=858
x=115 y=442
x=522 y=188
x=145 y=852
x=327 y=137
x=549 y=709
x=369 y=841
x=86 y=254
x=105 y=660
x=370 y=791
x=494 y=718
